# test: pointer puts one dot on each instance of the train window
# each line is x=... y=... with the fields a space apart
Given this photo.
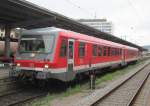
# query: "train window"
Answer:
x=32 y=45
x=116 y=51
x=81 y=50
x=104 y=51
x=100 y=51
x=36 y=43
x=94 y=50
x=63 y=49
x=119 y=51
x=108 y=51
x=113 y=51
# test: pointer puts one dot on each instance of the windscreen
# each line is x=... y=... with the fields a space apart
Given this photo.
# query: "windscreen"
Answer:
x=36 y=43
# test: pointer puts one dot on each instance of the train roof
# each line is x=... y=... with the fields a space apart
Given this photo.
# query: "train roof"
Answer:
x=49 y=30
x=46 y=30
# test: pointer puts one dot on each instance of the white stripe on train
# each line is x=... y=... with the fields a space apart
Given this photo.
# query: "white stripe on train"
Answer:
x=61 y=70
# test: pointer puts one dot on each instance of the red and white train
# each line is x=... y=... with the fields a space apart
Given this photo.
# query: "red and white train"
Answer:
x=61 y=54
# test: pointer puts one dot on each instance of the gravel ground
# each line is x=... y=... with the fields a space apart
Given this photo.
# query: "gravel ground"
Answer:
x=142 y=98
x=70 y=100
x=148 y=99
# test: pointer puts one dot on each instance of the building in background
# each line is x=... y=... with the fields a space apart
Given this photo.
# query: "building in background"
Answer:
x=147 y=47
x=100 y=24
x=14 y=33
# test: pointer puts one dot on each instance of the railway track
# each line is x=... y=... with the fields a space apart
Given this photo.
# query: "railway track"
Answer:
x=20 y=97
x=142 y=99
x=121 y=92
x=13 y=92
x=11 y=82
x=125 y=94
x=8 y=85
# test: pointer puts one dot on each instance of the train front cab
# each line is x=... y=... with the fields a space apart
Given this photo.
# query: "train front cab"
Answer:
x=43 y=62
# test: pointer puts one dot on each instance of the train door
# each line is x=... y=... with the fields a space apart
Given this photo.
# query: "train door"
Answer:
x=70 y=59
x=123 y=56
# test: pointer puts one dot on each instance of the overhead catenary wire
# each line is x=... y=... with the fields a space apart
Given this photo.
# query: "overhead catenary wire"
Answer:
x=136 y=12
x=79 y=7
x=134 y=9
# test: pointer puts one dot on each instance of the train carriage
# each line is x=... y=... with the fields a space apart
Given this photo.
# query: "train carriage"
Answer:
x=61 y=54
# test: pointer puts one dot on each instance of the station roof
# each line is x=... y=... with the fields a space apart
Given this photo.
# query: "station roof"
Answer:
x=23 y=14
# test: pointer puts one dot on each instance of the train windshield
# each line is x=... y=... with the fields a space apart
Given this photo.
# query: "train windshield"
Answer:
x=37 y=44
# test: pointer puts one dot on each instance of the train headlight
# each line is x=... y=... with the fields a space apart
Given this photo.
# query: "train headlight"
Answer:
x=46 y=66
x=18 y=64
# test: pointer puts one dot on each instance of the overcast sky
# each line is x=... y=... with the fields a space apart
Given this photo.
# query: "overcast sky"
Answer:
x=131 y=18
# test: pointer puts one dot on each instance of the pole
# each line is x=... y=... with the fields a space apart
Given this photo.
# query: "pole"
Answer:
x=92 y=80
x=7 y=41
